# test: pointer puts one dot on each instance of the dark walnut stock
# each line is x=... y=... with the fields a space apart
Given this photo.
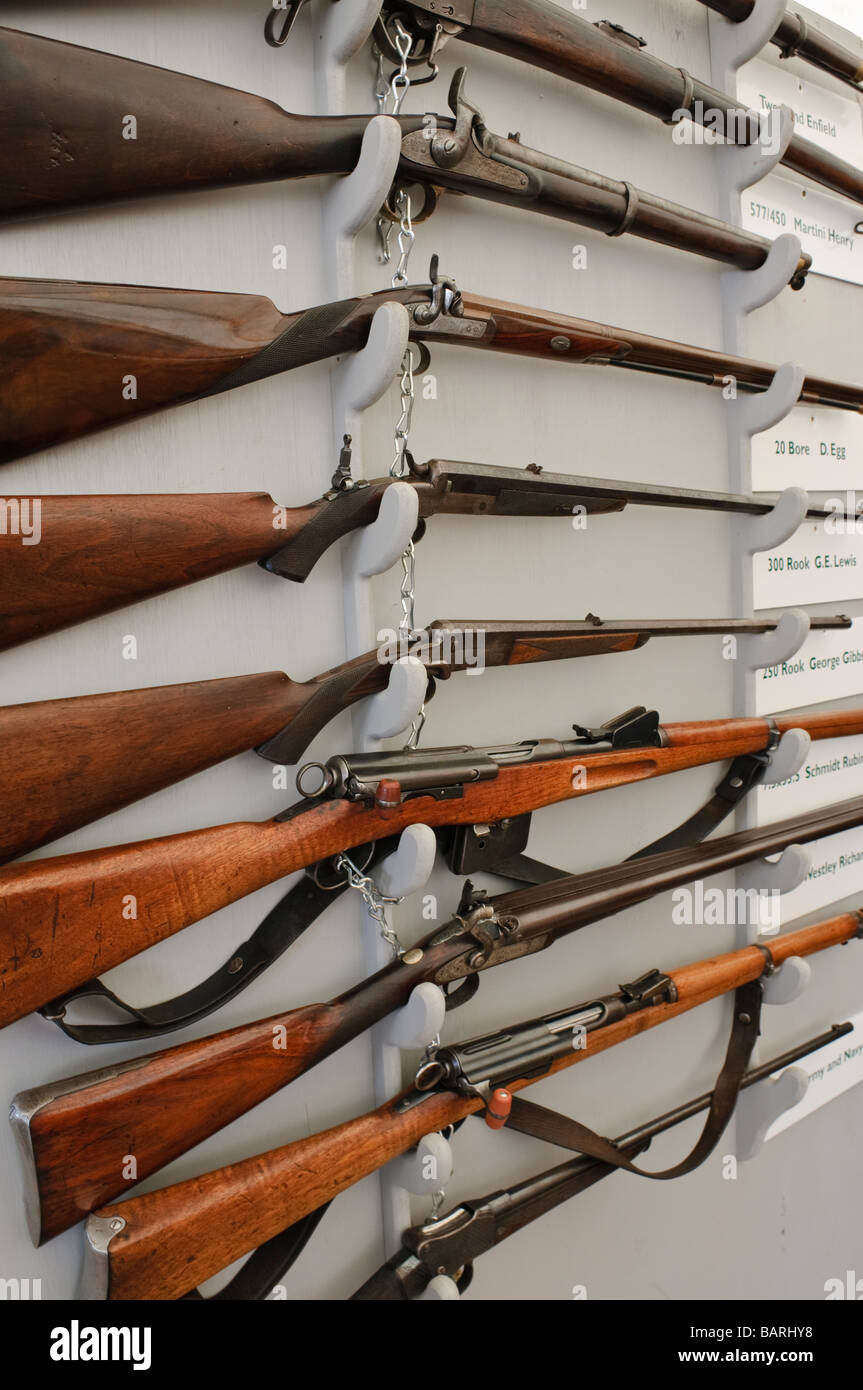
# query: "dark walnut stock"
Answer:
x=64 y=107
x=159 y=1107
x=68 y=150
x=66 y=347
x=175 y=1238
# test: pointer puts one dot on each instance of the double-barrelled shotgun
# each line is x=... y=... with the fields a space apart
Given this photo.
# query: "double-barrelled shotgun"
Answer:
x=797 y=38
x=66 y=559
x=78 y=357
x=161 y=1245
x=73 y=1134
x=606 y=58
x=98 y=753
x=64 y=140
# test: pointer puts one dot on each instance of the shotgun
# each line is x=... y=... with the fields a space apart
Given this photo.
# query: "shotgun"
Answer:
x=99 y=753
x=161 y=1245
x=606 y=58
x=191 y=133
x=796 y=38
x=452 y=1243
x=66 y=913
x=78 y=566
x=73 y=1133
x=78 y=357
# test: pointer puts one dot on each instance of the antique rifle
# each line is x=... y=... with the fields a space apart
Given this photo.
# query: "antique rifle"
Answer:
x=67 y=348
x=61 y=100
x=161 y=1245
x=99 y=753
x=400 y=787
x=72 y=1133
x=65 y=913
x=81 y=568
x=608 y=59
x=796 y=38
x=452 y=1243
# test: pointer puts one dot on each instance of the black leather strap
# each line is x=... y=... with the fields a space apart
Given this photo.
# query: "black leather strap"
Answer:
x=540 y=1123
x=307 y=899
x=299 y=908
x=744 y=773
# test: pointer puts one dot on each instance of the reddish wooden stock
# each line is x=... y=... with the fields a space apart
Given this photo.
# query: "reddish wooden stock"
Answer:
x=62 y=920
x=98 y=554
x=175 y=1238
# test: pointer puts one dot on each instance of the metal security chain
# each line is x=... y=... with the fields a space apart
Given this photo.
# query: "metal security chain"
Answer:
x=376 y=902
x=407 y=237
x=400 y=468
x=396 y=89
x=390 y=93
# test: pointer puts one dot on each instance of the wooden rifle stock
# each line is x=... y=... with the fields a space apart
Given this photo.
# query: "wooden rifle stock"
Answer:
x=72 y=97
x=63 y=108
x=66 y=559
x=62 y=918
x=161 y=1106
x=66 y=346
x=99 y=553
x=101 y=752
x=171 y=1240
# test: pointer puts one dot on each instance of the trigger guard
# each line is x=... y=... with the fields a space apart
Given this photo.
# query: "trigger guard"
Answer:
x=465 y=991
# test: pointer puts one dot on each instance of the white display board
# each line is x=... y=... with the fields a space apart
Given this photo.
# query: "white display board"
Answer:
x=821 y=563
x=654 y=563
x=829 y=666
x=831 y=1071
x=814 y=448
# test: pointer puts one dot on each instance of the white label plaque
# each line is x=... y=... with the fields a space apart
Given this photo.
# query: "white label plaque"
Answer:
x=831 y=1070
x=835 y=872
x=825 y=225
x=828 y=666
x=818 y=564
x=820 y=116
x=833 y=772
x=814 y=447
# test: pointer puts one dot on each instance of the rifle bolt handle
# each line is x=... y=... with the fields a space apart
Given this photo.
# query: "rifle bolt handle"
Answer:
x=499 y=1106
x=388 y=795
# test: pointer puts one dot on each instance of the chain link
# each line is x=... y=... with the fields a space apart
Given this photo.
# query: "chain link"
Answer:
x=400 y=467
x=390 y=93
x=407 y=237
x=376 y=902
